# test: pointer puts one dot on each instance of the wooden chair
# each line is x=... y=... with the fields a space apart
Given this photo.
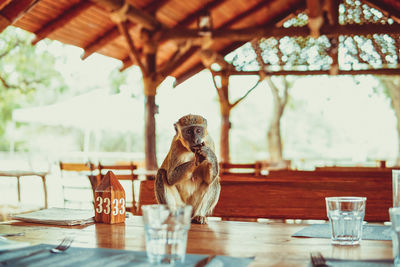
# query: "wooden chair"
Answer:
x=146 y=195
x=240 y=168
x=123 y=172
x=74 y=178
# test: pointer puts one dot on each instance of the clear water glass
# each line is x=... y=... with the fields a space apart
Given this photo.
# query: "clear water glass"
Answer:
x=346 y=215
x=166 y=232
x=396 y=187
x=395 y=220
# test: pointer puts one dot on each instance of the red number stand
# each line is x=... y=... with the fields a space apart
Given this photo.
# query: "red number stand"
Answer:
x=110 y=201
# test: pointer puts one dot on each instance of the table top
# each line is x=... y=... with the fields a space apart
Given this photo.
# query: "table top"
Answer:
x=18 y=173
x=270 y=243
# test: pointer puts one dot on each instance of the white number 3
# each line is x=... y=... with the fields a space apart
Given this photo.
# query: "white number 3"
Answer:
x=99 y=208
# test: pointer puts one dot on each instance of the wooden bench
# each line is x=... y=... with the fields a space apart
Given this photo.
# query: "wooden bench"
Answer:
x=240 y=168
x=300 y=196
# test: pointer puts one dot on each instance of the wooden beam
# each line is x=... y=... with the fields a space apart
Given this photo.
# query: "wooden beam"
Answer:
x=182 y=59
x=321 y=72
x=154 y=6
x=134 y=53
x=332 y=11
x=229 y=23
x=113 y=33
x=192 y=71
x=3 y=3
x=192 y=17
x=61 y=20
x=133 y=14
x=386 y=9
x=101 y=41
x=11 y=12
x=246 y=14
x=186 y=21
x=236 y=44
x=315 y=19
x=247 y=34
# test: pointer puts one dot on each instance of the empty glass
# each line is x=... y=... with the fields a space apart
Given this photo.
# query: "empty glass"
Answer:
x=395 y=219
x=396 y=187
x=346 y=215
x=166 y=232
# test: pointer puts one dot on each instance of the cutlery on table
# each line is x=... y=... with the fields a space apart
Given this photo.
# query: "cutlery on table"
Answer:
x=63 y=246
x=205 y=261
x=12 y=234
x=317 y=260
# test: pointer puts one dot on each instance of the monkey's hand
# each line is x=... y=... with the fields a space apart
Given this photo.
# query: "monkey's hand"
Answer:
x=199 y=156
x=206 y=154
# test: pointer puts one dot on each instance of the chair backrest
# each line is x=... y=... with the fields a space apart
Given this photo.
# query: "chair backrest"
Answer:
x=146 y=195
x=125 y=172
x=78 y=181
x=240 y=168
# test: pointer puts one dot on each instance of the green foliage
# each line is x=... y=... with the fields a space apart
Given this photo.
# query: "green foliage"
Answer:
x=25 y=71
x=117 y=79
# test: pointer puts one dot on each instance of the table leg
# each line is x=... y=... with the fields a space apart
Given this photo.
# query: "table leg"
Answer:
x=19 y=189
x=45 y=191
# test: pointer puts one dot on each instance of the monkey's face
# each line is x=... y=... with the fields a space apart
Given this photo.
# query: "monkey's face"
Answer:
x=193 y=136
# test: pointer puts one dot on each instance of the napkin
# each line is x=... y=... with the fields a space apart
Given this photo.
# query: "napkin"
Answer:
x=370 y=232
x=6 y=244
x=359 y=263
x=77 y=256
x=58 y=216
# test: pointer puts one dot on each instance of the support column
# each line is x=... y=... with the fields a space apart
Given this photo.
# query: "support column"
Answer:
x=151 y=81
x=225 y=107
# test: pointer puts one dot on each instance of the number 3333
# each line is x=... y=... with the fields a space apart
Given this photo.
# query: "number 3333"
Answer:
x=104 y=205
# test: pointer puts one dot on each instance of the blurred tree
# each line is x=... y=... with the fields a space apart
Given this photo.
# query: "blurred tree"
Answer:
x=24 y=70
x=221 y=71
x=391 y=88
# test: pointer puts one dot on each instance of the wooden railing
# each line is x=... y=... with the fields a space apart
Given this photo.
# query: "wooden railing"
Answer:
x=294 y=194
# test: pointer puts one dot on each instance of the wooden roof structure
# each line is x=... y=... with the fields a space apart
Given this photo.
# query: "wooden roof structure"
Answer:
x=175 y=25
x=180 y=38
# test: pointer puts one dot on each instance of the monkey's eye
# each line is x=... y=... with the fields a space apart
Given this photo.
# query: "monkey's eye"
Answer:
x=189 y=131
x=198 y=130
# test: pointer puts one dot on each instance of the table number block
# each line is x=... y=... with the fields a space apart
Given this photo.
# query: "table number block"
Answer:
x=110 y=200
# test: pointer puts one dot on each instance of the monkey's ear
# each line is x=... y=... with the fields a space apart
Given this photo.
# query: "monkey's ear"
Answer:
x=176 y=127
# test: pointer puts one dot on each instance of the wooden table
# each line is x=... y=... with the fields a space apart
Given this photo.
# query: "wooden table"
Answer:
x=271 y=244
x=18 y=174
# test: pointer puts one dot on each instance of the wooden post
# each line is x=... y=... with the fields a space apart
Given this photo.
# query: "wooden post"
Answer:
x=151 y=81
x=110 y=200
x=225 y=107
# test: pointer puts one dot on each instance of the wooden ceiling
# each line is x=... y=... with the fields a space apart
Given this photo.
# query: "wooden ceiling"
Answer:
x=87 y=24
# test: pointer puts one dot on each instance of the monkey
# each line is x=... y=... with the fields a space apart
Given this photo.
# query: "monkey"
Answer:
x=189 y=174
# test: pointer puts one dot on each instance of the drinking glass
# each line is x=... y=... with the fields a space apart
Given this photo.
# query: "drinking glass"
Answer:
x=346 y=215
x=395 y=219
x=166 y=231
x=396 y=187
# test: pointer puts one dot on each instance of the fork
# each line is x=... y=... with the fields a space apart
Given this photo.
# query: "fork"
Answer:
x=205 y=261
x=317 y=259
x=63 y=246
